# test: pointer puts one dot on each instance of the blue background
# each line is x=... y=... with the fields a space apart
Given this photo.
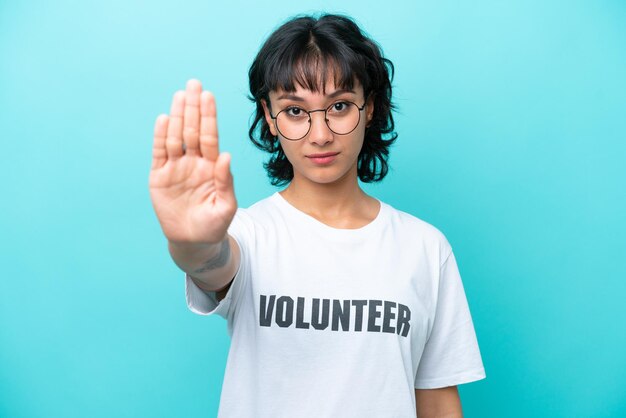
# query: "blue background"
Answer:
x=511 y=141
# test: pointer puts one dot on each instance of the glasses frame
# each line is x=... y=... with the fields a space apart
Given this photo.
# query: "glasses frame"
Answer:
x=274 y=118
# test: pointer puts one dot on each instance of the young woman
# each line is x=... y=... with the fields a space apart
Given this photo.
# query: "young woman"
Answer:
x=338 y=305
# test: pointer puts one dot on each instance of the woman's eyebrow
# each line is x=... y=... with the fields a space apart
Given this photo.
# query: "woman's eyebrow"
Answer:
x=290 y=97
x=340 y=92
x=332 y=95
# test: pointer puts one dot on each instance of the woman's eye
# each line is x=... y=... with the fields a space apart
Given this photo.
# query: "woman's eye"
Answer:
x=294 y=111
x=339 y=107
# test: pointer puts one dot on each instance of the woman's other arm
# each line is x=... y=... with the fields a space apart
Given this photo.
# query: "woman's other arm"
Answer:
x=438 y=403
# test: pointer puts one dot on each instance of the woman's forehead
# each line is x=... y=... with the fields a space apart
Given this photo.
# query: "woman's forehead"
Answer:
x=330 y=90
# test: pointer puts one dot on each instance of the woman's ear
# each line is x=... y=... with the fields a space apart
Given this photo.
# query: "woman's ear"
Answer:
x=268 y=118
x=369 y=114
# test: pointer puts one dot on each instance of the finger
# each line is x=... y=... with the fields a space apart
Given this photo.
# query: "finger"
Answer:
x=159 y=152
x=224 y=179
x=191 y=128
x=208 y=126
x=174 y=141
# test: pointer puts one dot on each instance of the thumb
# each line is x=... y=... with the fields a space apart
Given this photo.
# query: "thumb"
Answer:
x=224 y=179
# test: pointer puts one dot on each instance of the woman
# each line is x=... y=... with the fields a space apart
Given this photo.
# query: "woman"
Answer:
x=337 y=304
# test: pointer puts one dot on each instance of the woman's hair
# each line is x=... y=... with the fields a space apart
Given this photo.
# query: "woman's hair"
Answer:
x=305 y=50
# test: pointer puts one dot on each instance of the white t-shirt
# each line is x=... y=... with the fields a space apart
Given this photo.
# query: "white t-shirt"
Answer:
x=328 y=322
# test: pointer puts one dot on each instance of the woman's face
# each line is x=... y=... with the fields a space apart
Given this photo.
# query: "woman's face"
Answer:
x=342 y=150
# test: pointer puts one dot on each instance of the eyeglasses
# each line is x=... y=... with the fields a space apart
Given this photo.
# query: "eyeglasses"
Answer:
x=294 y=123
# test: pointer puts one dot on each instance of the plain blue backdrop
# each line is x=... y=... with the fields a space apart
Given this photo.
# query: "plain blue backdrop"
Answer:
x=511 y=122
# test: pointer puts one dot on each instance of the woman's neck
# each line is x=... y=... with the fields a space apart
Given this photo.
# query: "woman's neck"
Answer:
x=341 y=204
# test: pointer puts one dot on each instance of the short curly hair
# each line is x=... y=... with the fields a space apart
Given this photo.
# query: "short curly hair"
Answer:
x=301 y=51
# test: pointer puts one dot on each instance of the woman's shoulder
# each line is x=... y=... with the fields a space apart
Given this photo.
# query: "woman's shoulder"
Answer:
x=413 y=226
x=260 y=207
x=261 y=212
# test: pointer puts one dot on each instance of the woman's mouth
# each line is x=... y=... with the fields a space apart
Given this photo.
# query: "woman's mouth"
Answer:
x=322 y=159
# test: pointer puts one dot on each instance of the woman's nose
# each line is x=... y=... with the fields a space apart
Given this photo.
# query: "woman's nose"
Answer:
x=320 y=133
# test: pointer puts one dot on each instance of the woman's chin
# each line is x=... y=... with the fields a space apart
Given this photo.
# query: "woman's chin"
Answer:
x=326 y=177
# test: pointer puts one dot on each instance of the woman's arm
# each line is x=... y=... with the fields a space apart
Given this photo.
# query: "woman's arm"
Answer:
x=192 y=190
x=438 y=403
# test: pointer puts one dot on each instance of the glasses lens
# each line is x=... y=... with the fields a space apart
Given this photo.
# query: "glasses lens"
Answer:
x=343 y=117
x=293 y=123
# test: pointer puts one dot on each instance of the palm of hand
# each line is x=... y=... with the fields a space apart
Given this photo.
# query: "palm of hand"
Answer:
x=191 y=187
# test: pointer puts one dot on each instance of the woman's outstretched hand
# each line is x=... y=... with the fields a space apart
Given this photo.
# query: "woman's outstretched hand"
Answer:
x=191 y=185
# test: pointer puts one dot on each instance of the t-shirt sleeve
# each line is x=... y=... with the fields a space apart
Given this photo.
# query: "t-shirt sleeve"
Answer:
x=451 y=355
x=204 y=302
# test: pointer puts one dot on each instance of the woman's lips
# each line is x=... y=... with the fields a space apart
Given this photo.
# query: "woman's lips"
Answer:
x=322 y=159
